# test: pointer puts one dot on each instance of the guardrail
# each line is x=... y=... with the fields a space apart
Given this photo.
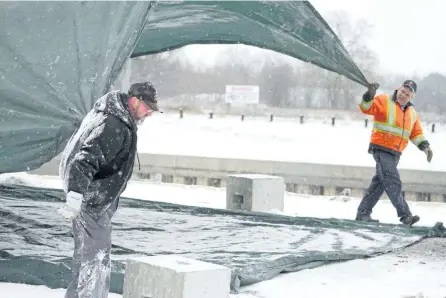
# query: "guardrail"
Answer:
x=308 y=178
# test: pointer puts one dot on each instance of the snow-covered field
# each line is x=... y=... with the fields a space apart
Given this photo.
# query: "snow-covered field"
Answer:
x=284 y=139
x=394 y=275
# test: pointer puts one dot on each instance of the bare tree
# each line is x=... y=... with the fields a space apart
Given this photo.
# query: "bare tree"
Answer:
x=341 y=92
x=276 y=80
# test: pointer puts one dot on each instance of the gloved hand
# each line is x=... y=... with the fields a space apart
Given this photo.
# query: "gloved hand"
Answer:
x=371 y=92
x=373 y=87
x=72 y=207
x=429 y=153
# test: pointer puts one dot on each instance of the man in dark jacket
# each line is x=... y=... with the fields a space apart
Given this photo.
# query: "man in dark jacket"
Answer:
x=95 y=167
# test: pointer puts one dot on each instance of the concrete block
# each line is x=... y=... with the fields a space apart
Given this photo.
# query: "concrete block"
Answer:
x=255 y=192
x=170 y=276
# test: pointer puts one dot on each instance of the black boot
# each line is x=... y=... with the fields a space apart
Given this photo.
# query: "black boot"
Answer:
x=410 y=219
x=367 y=218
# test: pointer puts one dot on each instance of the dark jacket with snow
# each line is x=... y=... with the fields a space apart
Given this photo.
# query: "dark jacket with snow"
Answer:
x=98 y=159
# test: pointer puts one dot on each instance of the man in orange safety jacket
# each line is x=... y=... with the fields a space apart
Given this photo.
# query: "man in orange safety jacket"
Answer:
x=395 y=124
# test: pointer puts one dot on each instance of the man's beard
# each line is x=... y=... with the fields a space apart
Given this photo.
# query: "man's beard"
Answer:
x=139 y=122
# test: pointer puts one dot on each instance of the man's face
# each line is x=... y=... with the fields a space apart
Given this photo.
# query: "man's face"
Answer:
x=140 y=111
x=404 y=95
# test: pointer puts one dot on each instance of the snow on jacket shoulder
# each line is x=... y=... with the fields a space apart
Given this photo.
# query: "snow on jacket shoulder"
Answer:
x=98 y=159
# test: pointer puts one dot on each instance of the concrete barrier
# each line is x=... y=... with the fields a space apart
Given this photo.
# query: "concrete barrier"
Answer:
x=170 y=276
x=305 y=178
x=254 y=192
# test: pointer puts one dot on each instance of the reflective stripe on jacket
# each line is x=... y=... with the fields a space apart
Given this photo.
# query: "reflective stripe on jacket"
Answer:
x=393 y=127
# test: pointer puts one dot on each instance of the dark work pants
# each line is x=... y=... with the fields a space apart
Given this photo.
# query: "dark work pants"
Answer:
x=387 y=178
x=91 y=259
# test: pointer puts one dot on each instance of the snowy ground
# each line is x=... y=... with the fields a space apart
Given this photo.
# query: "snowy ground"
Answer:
x=283 y=139
x=418 y=269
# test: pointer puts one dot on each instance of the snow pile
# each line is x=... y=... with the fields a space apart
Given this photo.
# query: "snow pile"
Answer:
x=22 y=178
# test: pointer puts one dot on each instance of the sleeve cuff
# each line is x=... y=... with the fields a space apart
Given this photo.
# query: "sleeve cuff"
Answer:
x=423 y=145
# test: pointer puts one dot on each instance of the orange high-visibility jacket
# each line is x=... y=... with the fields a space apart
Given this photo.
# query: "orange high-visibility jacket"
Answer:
x=393 y=127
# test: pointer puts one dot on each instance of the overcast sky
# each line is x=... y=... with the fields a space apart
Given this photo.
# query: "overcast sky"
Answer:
x=409 y=36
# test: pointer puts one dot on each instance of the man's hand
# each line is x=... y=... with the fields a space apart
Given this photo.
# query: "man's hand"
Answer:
x=429 y=153
x=371 y=92
x=373 y=87
x=72 y=207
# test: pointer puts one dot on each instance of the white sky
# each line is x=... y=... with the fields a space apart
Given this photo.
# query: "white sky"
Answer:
x=408 y=36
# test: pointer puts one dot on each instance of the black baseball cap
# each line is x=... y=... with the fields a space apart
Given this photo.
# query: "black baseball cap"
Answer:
x=146 y=92
x=410 y=84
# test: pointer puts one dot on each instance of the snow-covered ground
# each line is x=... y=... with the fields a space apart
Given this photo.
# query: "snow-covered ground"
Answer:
x=394 y=275
x=283 y=139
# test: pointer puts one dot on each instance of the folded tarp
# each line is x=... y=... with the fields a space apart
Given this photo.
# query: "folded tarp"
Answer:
x=37 y=244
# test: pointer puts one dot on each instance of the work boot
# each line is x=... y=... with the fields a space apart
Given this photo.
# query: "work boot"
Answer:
x=409 y=220
x=367 y=218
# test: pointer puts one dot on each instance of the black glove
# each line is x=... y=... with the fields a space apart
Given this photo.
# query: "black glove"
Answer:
x=429 y=153
x=371 y=91
x=373 y=87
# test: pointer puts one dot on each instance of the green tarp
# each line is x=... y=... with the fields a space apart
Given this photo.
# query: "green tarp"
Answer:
x=36 y=244
x=57 y=58
x=293 y=28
